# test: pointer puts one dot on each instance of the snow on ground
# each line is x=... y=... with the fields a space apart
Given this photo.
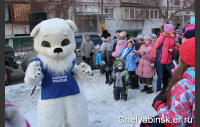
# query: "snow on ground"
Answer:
x=103 y=110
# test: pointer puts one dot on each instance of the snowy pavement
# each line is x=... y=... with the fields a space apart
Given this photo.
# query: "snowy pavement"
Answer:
x=103 y=110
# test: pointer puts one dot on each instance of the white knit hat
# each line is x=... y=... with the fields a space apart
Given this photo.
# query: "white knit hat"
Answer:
x=140 y=36
x=97 y=46
x=148 y=36
x=154 y=35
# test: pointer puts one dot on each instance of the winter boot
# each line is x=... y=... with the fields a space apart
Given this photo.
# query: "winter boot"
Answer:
x=123 y=100
x=145 y=88
x=150 y=89
x=106 y=82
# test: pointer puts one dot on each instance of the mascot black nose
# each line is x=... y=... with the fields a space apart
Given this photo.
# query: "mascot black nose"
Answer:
x=58 y=50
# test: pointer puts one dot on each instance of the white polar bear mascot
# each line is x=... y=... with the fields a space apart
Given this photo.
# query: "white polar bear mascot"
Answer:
x=62 y=103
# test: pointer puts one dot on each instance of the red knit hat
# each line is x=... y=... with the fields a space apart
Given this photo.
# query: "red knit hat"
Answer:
x=187 y=51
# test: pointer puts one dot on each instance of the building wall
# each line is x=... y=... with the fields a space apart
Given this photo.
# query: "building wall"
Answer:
x=151 y=24
x=15 y=29
x=112 y=25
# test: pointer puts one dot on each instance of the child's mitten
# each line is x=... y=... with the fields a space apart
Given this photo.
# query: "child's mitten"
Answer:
x=171 y=49
x=142 y=52
x=159 y=99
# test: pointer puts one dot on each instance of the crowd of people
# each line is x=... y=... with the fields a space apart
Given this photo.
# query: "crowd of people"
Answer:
x=127 y=62
x=170 y=54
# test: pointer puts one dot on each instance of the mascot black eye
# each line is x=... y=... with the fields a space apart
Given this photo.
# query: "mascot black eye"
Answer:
x=46 y=44
x=65 y=42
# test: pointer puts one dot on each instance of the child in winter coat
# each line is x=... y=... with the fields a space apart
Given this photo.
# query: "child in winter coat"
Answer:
x=154 y=38
x=190 y=26
x=131 y=64
x=121 y=45
x=162 y=52
x=144 y=69
x=179 y=33
x=188 y=34
x=119 y=79
x=114 y=41
x=178 y=101
x=106 y=55
x=140 y=41
x=98 y=59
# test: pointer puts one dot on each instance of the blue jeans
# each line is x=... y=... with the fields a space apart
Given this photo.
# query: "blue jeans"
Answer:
x=160 y=70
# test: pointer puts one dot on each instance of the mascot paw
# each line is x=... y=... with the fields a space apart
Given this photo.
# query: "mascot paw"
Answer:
x=34 y=70
x=84 y=69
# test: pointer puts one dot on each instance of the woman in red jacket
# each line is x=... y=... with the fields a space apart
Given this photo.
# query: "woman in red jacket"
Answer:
x=162 y=52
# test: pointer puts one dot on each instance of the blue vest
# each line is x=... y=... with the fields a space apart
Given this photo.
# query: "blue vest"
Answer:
x=55 y=86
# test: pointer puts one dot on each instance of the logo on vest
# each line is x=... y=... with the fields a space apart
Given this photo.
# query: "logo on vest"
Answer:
x=57 y=79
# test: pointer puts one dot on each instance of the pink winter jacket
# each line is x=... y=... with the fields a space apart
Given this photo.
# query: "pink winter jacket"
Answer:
x=144 y=69
x=188 y=27
x=121 y=45
x=182 y=102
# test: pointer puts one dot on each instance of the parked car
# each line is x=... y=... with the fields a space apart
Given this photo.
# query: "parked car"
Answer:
x=9 y=63
x=79 y=38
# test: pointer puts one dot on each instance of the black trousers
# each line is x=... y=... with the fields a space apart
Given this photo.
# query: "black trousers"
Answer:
x=108 y=75
x=123 y=91
x=102 y=69
x=89 y=61
x=166 y=78
x=133 y=79
x=147 y=81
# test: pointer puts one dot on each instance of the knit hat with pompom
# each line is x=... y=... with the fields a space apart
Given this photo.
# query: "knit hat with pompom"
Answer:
x=187 y=51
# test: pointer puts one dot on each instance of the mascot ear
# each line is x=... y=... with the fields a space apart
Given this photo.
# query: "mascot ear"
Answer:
x=72 y=25
x=35 y=30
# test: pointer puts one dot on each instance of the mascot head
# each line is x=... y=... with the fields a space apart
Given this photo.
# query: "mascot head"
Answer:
x=54 y=38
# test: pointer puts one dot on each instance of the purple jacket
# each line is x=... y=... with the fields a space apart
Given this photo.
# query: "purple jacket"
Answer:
x=144 y=69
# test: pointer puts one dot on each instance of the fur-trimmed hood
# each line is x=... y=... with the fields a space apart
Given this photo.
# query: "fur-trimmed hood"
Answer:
x=124 y=63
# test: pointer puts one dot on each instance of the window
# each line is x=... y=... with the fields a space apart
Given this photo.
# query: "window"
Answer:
x=147 y=14
x=137 y=13
x=106 y=10
x=126 y=13
x=156 y=14
x=153 y=14
x=110 y=12
x=142 y=13
x=134 y=13
x=7 y=14
x=164 y=13
x=131 y=13
x=160 y=14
